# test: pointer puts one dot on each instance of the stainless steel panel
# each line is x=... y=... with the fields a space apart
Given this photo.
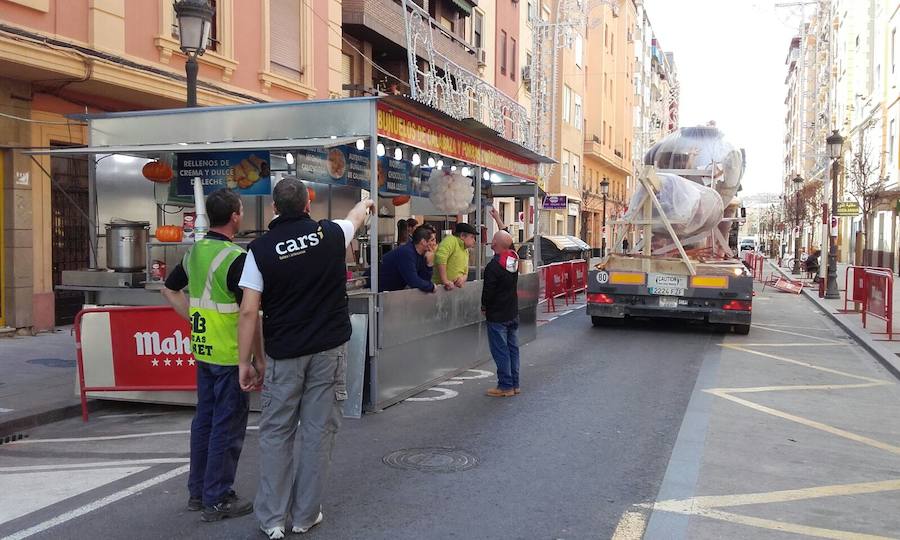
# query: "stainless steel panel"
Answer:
x=101 y=278
x=411 y=315
x=356 y=366
x=123 y=192
x=285 y=120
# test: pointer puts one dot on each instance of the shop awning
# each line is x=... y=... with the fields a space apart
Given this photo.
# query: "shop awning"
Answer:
x=567 y=243
x=464 y=5
x=515 y=189
x=150 y=149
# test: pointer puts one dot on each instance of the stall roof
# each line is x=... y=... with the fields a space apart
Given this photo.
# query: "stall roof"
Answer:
x=143 y=149
x=521 y=188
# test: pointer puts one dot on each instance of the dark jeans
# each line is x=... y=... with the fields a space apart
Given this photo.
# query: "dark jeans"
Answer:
x=504 y=341
x=217 y=432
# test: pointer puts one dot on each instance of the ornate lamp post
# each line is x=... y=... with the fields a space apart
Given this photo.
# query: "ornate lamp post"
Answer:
x=194 y=25
x=604 y=190
x=835 y=144
x=798 y=181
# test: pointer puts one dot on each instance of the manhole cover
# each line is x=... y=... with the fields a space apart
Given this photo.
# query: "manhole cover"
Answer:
x=435 y=459
x=52 y=362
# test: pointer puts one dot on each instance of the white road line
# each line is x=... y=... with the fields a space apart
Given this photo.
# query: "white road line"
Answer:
x=111 y=437
x=2 y=410
x=100 y=503
x=449 y=383
x=479 y=374
x=92 y=465
x=131 y=415
x=444 y=393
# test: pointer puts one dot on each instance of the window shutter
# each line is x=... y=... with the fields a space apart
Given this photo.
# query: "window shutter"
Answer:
x=284 y=40
x=346 y=73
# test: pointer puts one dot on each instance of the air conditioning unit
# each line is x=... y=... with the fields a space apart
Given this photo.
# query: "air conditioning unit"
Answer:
x=526 y=73
x=481 y=56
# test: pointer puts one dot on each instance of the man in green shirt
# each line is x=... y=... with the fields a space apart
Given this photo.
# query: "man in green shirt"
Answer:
x=452 y=257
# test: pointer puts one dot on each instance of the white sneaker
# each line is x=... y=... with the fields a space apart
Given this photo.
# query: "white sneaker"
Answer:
x=303 y=530
x=275 y=533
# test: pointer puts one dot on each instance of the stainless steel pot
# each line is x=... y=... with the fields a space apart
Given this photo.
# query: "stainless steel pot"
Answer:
x=126 y=245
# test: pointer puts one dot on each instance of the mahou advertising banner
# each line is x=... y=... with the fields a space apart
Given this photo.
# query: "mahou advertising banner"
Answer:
x=153 y=349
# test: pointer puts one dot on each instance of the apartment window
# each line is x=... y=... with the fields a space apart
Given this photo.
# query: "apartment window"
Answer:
x=576 y=166
x=532 y=13
x=893 y=50
x=503 y=52
x=892 y=141
x=605 y=83
x=606 y=36
x=603 y=134
x=579 y=50
x=567 y=104
x=477 y=28
x=446 y=24
x=565 y=167
x=612 y=43
x=526 y=73
x=577 y=111
x=513 y=58
x=346 y=73
x=284 y=26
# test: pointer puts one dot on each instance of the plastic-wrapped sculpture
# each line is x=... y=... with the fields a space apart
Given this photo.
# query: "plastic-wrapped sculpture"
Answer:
x=709 y=172
x=450 y=191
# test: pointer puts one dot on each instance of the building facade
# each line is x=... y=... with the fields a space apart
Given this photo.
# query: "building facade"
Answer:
x=59 y=58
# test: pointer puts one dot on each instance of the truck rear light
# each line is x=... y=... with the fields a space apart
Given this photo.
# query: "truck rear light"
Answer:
x=738 y=305
x=599 y=298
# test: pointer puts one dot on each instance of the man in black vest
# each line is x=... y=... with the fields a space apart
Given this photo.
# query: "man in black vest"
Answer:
x=297 y=273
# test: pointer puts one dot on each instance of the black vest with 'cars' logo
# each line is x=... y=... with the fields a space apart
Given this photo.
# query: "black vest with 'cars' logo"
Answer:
x=304 y=297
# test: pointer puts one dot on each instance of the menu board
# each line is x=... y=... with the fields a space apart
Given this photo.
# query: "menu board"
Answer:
x=347 y=166
x=246 y=172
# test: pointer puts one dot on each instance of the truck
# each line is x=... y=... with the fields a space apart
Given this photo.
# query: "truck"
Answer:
x=681 y=265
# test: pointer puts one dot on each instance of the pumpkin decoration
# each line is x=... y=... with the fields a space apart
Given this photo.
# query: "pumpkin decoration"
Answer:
x=312 y=194
x=157 y=171
x=169 y=233
x=400 y=200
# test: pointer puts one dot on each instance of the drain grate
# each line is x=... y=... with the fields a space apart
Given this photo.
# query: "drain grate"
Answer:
x=13 y=438
x=52 y=362
x=432 y=459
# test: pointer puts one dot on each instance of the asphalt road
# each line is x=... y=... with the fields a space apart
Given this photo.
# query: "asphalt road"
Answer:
x=589 y=437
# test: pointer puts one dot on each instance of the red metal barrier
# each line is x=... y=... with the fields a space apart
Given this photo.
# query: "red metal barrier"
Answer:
x=577 y=278
x=556 y=277
x=856 y=291
x=149 y=348
x=879 y=298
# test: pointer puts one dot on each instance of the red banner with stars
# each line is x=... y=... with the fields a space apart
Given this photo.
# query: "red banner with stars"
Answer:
x=151 y=348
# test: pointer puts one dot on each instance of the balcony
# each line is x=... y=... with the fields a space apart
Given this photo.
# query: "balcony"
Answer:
x=594 y=148
x=381 y=22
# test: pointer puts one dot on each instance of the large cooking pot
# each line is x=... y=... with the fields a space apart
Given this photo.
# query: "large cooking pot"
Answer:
x=126 y=245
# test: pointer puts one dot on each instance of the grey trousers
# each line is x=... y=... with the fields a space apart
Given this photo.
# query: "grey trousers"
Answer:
x=293 y=474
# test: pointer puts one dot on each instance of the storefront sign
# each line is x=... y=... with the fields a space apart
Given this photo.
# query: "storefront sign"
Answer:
x=555 y=202
x=246 y=172
x=847 y=208
x=405 y=128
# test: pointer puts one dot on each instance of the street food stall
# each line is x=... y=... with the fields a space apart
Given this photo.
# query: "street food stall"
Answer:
x=410 y=159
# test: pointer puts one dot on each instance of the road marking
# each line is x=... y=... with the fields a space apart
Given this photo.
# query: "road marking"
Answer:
x=794 y=387
x=809 y=423
x=450 y=383
x=93 y=464
x=707 y=506
x=2 y=410
x=794 y=344
x=479 y=374
x=804 y=364
x=768 y=325
x=131 y=415
x=103 y=438
x=797 y=334
x=631 y=526
x=100 y=503
x=444 y=393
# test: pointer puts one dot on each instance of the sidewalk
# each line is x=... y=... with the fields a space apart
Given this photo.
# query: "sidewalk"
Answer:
x=39 y=380
x=886 y=352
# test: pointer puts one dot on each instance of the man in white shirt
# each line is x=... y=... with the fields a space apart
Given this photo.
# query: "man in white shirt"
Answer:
x=297 y=274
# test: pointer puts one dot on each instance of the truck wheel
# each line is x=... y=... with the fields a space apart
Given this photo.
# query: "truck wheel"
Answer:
x=742 y=329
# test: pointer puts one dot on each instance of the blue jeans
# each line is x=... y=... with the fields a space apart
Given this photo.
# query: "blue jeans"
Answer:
x=504 y=343
x=217 y=432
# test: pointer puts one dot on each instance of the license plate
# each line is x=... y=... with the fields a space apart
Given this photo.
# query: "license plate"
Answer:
x=668 y=301
x=667 y=291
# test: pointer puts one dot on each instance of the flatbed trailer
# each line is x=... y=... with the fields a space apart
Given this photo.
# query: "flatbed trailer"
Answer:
x=715 y=288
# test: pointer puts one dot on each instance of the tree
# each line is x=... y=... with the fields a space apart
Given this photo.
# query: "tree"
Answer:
x=865 y=185
x=813 y=195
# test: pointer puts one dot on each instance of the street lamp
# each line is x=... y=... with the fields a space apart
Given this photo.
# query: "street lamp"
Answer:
x=835 y=146
x=604 y=190
x=798 y=181
x=194 y=26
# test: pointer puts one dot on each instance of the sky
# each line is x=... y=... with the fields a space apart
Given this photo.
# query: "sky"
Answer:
x=730 y=58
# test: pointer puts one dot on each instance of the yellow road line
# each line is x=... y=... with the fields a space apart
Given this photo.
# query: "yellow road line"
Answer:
x=804 y=364
x=774 y=525
x=794 y=344
x=631 y=526
x=795 y=387
x=796 y=334
x=768 y=325
x=810 y=423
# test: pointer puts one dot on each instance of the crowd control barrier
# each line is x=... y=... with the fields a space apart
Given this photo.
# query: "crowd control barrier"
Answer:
x=879 y=298
x=133 y=349
x=563 y=279
x=855 y=287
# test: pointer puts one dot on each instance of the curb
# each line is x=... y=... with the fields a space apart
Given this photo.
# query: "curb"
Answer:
x=885 y=357
x=38 y=417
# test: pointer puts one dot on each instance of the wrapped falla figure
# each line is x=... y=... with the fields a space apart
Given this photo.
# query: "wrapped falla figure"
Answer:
x=697 y=199
x=450 y=191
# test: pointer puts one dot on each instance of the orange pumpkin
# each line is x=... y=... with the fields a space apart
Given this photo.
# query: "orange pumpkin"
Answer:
x=169 y=233
x=157 y=171
x=400 y=200
x=312 y=194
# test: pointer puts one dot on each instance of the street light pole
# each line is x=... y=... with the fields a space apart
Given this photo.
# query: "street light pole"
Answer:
x=604 y=189
x=835 y=143
x=194 y=27
x=798 y=181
